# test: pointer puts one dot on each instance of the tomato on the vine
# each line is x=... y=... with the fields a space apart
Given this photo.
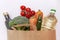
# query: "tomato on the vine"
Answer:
x=23 y=7
x=23 y=13
x=32 y=13
x=28 y=9
x=28 y=16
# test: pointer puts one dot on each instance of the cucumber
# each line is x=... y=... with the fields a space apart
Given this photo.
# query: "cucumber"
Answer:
x=39 y=23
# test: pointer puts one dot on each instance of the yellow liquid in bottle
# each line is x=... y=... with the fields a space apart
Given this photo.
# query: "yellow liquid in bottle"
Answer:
x=49 y=22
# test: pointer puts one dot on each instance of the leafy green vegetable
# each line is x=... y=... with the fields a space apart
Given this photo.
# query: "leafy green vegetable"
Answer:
x=18 y=20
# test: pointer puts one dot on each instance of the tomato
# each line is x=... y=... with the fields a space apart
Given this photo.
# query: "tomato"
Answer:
x=28 y=16
x=28 y=9
x=23 y=13
x=32 y=13
x=22 y=7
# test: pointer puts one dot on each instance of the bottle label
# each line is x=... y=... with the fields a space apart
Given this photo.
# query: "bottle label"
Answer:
x=48 y=24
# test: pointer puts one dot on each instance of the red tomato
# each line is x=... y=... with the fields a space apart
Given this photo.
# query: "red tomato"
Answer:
x=28 y=9
x=23 y=13
x=28 y=16
x=32 y=13
x=22 y=7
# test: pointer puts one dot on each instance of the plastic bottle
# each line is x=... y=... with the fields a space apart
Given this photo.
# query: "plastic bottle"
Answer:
x=50 y=21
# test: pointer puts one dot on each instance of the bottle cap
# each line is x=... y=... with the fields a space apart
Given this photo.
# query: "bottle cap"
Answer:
x=52 y=11
x=5 y=13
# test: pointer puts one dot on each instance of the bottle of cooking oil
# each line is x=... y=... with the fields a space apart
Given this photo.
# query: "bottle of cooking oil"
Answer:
x=50 y=21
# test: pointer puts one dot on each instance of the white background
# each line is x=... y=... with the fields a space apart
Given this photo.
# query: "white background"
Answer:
x=12 y=6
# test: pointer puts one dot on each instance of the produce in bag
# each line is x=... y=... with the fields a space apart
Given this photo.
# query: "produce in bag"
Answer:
x=32 y=22
x=19 y=20
x=39 y=20
x=36 y=21
x=26 y=12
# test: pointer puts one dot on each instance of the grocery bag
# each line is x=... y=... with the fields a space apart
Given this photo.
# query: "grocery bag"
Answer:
x=31 y=35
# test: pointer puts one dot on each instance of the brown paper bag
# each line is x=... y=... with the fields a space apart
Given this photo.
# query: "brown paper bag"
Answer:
x=31 y=35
